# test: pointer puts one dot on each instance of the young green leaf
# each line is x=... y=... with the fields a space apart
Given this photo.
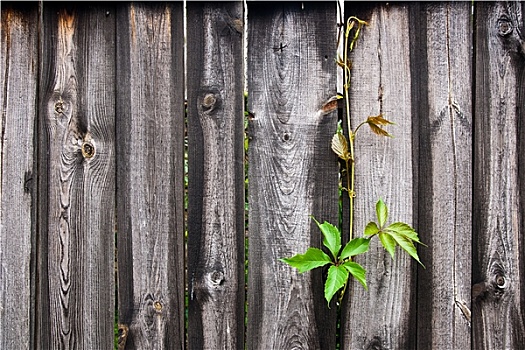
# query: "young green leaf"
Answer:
x=337 y=277
x=340 y=146
x=407 y=245
x=371 y=229
x=382 y=213
x=357 y=271
x=313 y=258
x=331 y=237
x=388 y=243
x=405 y=230
x=354 y=247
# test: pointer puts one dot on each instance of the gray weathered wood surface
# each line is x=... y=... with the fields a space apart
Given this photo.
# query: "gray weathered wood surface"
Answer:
x=498 y=320
x=76 y=179
x=92 y=148
x=18 y=78
x=216 y=278
x=384 y=316
x=441 y=49
x=292 y=171
x=150 y=170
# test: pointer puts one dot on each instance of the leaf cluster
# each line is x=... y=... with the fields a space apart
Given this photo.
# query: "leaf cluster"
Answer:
x=340 y=258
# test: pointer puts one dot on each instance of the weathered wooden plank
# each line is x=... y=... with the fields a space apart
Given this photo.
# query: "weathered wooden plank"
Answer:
x=18 y=100
x=498 y=257
x=216 y=285
x=76 y=178
x=292 y=170
x=383 y=317
x=150 y=170
x=441 y=41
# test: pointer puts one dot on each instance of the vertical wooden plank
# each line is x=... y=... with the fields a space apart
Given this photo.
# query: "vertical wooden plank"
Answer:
x=442 y=87
x=150 y=170
x=498 y=264
x=76 y=183
x=216 y=175
x=18 y=78
x=383 y=317
x=292 y=170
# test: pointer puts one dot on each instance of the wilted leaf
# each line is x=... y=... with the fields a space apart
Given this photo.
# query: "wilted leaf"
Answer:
x=331 y=237
x=340 y=146
x=378 y=130
x=313 y=258
x=336 y=279
x=381 y=212
x=371 y=229
x=355 y=247
x=379 y=120
x=357 y=271
x=376 y=123
x=388 y=243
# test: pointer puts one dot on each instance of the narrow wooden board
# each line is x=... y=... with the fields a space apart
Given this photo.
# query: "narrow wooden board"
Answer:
x=216 y=278
x=382 y=317
x=499 y=255
x=441 y=42
x=150 y=170
x=76 y=178
x=18 y=100
x=292 y=170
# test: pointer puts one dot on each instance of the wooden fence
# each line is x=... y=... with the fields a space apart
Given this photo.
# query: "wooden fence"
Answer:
x=93 y=149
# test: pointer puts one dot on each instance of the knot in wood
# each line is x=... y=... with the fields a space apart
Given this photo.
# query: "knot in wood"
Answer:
x=375 y=344
x=208 y=101
x=59 y=107
x=88 y=150
x=217 y=278
x=500 y=281
x=505 y=26
x=158 y=306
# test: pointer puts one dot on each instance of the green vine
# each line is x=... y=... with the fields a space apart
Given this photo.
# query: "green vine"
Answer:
x=340 y=258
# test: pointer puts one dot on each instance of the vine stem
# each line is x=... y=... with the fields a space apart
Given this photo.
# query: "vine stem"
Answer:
x=350 y=173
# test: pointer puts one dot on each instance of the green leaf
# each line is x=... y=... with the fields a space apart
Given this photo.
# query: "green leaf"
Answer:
x=357 y=271
x=331 y=237
x=337 y=277
x=407 y=245
x=313 y=258
x=405 y=230
x=382 y=213
x=388 y=243
x=355 y=247
x=371 y=229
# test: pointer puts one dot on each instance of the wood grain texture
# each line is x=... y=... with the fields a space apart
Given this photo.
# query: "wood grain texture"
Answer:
x=292 y=170
x=383 y=317
x=216 y=278
x=442 y=101
x=76 y=179
x=150 y=173
x=18 y=100
x=498 y=266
